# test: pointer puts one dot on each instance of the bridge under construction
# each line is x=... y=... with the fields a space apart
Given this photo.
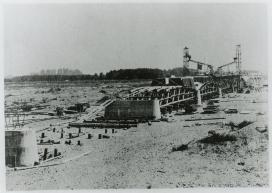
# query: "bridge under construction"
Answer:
x=186 y=91
x=183 y=92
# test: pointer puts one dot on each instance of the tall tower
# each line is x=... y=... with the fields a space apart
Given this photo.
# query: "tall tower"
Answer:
x=186 y=57
x=238 y=59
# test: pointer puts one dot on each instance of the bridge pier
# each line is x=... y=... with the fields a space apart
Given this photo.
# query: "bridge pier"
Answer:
x=156 y=109
x=199 y=102
x=199 y=107
x=220 y=92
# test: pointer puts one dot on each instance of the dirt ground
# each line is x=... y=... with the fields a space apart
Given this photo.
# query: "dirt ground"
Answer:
x=142 y=157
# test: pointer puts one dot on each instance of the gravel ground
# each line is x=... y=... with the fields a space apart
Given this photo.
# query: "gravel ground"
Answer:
x=142 y=157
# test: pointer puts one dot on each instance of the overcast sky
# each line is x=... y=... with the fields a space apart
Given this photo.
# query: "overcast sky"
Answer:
x=101 y=37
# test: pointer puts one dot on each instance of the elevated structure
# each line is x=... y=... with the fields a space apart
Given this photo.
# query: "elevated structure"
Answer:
x=205 y=68
x=202 y=67
x=186 y=57
x=236 y=63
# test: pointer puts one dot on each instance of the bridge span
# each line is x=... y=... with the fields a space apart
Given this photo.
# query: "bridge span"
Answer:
x=181 y=92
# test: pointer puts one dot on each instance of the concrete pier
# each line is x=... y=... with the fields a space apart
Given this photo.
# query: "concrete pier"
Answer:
x=156 y=109
x=131 y=109
x=199 y=102
x=21 y=147
x=220 y=92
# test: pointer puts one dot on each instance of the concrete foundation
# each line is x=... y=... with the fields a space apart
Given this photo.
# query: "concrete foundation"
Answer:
x=21 y=148
x=133 y=109
x=198 y=108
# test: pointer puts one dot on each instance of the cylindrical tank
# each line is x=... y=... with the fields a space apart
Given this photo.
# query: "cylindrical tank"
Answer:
x=156 y=109
x=21 y=148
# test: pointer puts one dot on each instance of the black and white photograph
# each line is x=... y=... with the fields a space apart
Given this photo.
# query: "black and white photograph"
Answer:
x=147 y=95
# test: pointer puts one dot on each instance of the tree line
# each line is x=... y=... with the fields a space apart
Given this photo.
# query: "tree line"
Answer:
x=122 y=74
x=60 y=71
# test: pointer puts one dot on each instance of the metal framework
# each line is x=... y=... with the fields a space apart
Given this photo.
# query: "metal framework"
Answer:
x=166 y=95
x=209 y=90
x=237 y=61
x=179 y=95
x=188 y=58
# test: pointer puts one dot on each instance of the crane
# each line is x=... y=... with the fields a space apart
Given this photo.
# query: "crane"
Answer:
x=188 y=58
x=200 y=64
x=220 y=68
x=236 y=61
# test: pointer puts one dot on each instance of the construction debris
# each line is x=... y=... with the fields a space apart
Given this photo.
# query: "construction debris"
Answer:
x=239 y=125
x=54 y=89
x=48 y=142
x=105 y=136
x=203 y=119
x=68 y=142
x=114 y=121
x=245 y=112
x=262 y=129
x=102 y=125
x=215 y=138
x=79 y=143
x=103 y=91
x=230 y=111
x=69 y=111
x=183 y=146
x=211 y=107
x=79 y=107
x=260 y=113
x=89 y=136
